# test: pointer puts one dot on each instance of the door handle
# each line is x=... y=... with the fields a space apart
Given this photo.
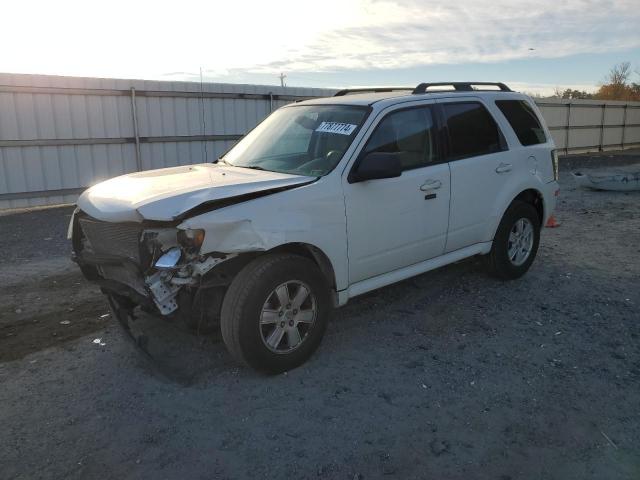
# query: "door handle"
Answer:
x=430 y=185
x=504 y=168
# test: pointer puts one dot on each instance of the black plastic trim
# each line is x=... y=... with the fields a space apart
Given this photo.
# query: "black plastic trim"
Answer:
x=460 y=87
x=347 y=91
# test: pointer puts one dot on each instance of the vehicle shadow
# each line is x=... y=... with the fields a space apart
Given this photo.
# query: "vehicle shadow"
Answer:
x=180 y=355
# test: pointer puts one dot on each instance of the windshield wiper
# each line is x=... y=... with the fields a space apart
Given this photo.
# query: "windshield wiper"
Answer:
x=253 y=167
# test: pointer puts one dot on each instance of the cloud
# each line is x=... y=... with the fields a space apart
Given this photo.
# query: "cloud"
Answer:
x=243 y=37
x=409 y=33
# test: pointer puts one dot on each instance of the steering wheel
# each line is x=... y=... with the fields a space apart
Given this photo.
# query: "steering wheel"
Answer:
x=321 y=163
x=333 y=156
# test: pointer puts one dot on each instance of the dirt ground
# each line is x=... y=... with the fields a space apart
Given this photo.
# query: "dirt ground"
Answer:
x=449 y=375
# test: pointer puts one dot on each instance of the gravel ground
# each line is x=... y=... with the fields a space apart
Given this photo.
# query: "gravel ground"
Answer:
x=451 y=374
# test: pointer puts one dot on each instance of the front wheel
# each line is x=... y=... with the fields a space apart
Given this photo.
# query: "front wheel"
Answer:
x=275 y=312
x=516 y=242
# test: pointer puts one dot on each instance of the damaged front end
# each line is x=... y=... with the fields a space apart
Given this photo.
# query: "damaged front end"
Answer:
x=151 y=264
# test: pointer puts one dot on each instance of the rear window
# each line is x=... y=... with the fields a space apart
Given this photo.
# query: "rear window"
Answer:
x=472 y=130
x=523 y=120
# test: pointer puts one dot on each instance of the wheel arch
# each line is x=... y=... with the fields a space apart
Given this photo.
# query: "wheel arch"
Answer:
x=533 y=197
x=530 y=195
x=225 y=273
x=313 y=253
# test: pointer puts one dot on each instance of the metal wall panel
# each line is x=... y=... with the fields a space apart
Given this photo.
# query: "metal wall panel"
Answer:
x=632 y=135
x=592 y=125
x=554 y=115
x=613 y=136
x=61 y=134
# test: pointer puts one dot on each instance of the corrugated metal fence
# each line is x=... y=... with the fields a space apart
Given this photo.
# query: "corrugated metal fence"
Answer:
x=579 y=126
x=59 y=135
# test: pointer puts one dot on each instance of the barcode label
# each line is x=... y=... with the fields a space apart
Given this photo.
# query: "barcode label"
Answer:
x=336 y=127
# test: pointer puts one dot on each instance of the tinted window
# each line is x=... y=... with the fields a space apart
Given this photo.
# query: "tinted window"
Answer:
x=523 y=120
x=472 y=130
x=408 y=133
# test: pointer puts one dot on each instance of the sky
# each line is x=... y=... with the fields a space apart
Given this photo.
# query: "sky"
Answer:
x=533 y=46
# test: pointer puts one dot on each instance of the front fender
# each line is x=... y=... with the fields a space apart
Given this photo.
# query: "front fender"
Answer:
x=313 y=214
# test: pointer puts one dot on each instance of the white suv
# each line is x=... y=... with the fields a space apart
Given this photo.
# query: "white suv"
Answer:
x=324 y=200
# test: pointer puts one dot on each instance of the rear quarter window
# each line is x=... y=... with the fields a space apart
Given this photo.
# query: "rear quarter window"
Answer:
x=523 y=120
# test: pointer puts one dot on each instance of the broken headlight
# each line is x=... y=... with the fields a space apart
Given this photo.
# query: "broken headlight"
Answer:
x=191 y=239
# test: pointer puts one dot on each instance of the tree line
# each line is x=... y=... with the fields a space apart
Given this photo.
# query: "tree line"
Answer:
x=616 y=86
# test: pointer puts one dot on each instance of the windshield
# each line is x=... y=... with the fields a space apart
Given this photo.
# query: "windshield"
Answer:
x=302 y=140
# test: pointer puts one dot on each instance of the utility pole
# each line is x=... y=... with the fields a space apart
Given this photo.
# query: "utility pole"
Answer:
x=282 y=77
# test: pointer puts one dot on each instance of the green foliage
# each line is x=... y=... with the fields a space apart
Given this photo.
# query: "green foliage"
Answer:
x=576 y=94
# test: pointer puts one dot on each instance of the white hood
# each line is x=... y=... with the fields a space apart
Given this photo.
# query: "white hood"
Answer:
x=167 y=193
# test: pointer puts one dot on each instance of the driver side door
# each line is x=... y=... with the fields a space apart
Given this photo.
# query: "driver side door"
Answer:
x=396 y=222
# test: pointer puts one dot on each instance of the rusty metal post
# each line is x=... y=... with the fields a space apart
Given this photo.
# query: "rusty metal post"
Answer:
x=602 y=117
x=568 y=127
x=624 y=126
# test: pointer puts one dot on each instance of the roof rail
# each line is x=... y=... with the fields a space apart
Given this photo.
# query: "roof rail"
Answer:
x=349 y=91
x=461 y=86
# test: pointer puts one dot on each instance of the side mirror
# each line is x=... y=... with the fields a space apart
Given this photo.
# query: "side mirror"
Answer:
x=377 y=165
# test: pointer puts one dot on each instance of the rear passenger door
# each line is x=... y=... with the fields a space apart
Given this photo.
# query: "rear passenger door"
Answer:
x=480 y=168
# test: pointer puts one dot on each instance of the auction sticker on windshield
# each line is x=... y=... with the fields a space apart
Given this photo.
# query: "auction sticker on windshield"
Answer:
x=336 y=127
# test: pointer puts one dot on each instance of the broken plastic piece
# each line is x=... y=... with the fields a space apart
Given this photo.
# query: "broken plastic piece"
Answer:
x=169 y=259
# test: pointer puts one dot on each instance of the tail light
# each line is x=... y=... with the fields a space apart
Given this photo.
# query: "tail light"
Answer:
x=556 y=165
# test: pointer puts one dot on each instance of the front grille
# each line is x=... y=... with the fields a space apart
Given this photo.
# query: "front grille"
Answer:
x=114 y=239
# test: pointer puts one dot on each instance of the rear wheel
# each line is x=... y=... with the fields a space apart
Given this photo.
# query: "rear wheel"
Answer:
x=516 y=242
x=275 y=312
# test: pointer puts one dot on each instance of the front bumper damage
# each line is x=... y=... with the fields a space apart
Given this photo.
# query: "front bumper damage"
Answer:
x=165 y=283
x=143 y=263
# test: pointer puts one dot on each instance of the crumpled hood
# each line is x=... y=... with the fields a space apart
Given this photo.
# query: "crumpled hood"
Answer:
x=167 y=193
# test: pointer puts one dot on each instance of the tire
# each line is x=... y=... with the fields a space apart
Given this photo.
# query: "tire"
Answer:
x=500 y=261
x=255 y=295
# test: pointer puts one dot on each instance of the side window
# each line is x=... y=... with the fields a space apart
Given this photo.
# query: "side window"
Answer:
x=410 y=134
x=472 y=130
x=523 y=120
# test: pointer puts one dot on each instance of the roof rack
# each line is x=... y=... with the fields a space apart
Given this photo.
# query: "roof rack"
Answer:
x=461 y=86
x=350 y=91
